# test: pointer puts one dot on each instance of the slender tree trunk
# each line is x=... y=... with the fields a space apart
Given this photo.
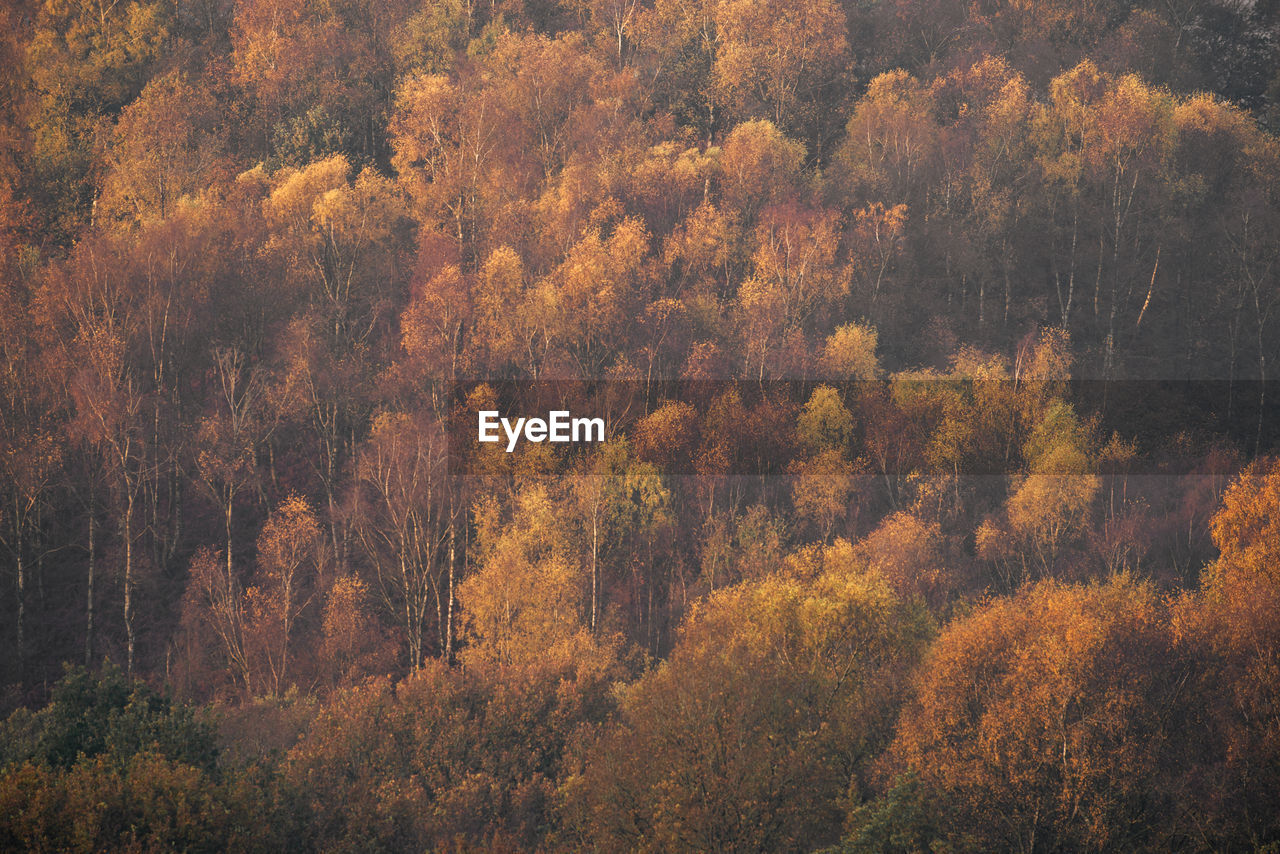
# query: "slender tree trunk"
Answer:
x=595 y=574
x=128 y=580
x=287 y=620
x=231 y=498
x=413 y=625
x=1071 y=271
x=1004 y=323
x=1262 y=387
x=448 y=623
x=88 y=623
x=22 y=608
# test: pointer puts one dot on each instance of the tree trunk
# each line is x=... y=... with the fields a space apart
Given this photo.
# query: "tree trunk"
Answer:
x=448 y=623
x=22 y=607
x=227 y=527
x=88 y=626
x=128 y=580
x=595 y=555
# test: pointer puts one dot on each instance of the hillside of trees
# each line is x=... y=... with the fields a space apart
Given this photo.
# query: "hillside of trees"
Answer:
x=937 y=345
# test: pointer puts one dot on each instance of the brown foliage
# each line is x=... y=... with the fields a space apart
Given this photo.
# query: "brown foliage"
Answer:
x=1038 y=719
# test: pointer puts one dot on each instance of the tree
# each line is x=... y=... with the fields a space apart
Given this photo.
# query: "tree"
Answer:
x=446 y=756
x=431 y=328
x=599 y=492
x=616 y=21
x=501 y=330
x=741 y=546
x=213 y=603
x=1255 y=257
x=548 y=86
x=1228 y=635
x=796 y=255
x=31 y=453
x=1103 y=148
x=293 y=57
x=288 y=565
x=825 y=423
x=1049 y=506
x=228 y=440
x=698 y=249
x=1038 y=719
x=890 y=143
x=775 y=696
x=107 y=714
x=1245 y=529
x=352 y=641
x=667 y=436
x=404 y=524
x=676 y=47
x=822 y=489
x=760 y=318
x=470 y=151
x=875 y=241
x=527 y=605
x=86 y=61
x=110 y=763
x=29 y=467
x=167 y=145
x=595 y=286
x=911 y=554
x=432 y=37
x=997 y=110
x=328 y=385
x=116 y=320
x=761 y=166
x=850 y=354
x=777 y=56
x=108 y=402
x=339 y=236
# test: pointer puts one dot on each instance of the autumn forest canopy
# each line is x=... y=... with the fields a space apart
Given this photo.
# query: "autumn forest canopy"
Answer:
x=936 y=346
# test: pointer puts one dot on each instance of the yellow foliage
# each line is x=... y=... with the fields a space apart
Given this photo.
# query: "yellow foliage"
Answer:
x=822 y=489
x=527 y=601
x=850 y=353
x=296 y=191
x=760 y=165
x=775 y=52
x=1247 y=529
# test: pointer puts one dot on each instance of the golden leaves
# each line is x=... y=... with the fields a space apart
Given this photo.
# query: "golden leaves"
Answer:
x=1034 y=709
x=1247 y=530
x=850 y=353
x=526 y=602
x=289 y=537
x=776 y=53
x=760 y=165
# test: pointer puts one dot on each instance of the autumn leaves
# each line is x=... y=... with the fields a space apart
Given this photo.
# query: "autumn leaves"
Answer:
x=817 y=268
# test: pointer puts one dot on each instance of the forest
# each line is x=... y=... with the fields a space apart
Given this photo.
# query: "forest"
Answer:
x=935 y=343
